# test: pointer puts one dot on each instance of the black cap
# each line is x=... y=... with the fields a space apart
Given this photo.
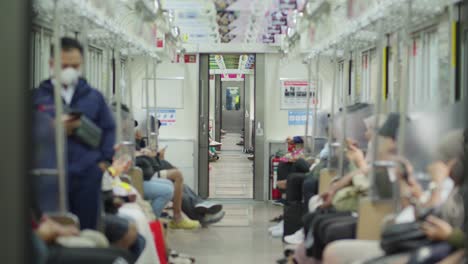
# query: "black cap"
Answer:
x=390 y=127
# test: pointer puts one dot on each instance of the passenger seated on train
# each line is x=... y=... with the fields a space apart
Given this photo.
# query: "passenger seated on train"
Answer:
x=157 y=170
x=191 y=204
x=292 y=162
x=139 y=142
x=301 y=187
x=120 y=231
x=327 y=224
x=445 y=225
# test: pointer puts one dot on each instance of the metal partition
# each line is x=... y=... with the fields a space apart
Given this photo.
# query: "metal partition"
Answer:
x=218 y=108
x=203 y=131
x=15 y=148
x=261 y=158
x=424 y=131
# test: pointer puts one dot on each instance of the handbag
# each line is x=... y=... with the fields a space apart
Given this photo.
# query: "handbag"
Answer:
x=398 y=238
x=88 y=133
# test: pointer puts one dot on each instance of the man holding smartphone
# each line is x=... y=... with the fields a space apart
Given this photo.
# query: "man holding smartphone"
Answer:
x=86 y=157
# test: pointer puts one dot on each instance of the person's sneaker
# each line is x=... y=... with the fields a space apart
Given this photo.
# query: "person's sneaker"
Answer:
x=208 y=207
x=296 y=238
x=277 y=219
x=215 y=144
x=210 y=219
x=279 y=202
x=278 y=232
x=251 y=157
x=185 y=223
x=277 y=226
x=240 y=143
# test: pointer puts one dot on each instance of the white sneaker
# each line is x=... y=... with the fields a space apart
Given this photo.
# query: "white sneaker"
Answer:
x=277 y=232
x=279 y=225
x=296 y=238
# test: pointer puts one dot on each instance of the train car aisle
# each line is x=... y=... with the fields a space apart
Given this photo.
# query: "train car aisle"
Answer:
x=241 y=237
x=232 y=175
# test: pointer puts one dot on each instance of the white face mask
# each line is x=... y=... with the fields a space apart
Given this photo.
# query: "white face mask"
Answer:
x=69 y=76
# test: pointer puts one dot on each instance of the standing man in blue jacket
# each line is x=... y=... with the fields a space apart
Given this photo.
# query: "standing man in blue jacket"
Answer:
x=85 y=164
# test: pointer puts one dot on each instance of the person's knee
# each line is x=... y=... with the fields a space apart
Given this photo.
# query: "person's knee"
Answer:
x=331 y=253
x=167 y=192
x=176 y=176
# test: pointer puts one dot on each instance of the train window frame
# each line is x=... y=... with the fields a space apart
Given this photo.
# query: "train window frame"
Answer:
x=40 y=54
x=424 y=68
x=94 y=67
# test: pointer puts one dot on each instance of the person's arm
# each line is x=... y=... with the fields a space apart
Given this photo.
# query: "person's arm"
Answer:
x=438 y=172
x=49 y=230
x=457 y=238
x=107 y=124
x=347 y=180
x=437 y=229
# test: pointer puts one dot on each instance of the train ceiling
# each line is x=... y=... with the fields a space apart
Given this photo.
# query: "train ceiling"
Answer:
x=231 y=21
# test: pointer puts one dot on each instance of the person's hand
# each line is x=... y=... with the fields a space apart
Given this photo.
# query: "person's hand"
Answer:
x=118 y=202
x=103 y=166
x=70 y=123
x=162 y=154
x=138 y=135
x=354 y=153
x=49 y=230
x=438 y=171
x=436 y=229
x=327 y=198
x=121 y=165
x=415 y=188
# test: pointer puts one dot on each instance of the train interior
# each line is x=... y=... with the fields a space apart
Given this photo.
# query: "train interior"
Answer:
x=234 y=131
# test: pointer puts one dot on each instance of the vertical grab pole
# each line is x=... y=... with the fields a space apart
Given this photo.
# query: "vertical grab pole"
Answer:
x=380 y=46
x=148 y=121
x=332 y=112
x=309 y=89
x=118 y=94
x=108 y=75
x=87 y=58
x=155 y=105
x=315 y=101
x=129 y=84
x=345 y=110
x=59 y=126
x=404 y=91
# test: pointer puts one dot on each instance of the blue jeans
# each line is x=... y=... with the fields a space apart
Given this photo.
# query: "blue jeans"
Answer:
x=159 y=192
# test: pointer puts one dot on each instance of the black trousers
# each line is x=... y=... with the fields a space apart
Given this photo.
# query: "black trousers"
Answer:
x=301 y=187
x=189 y=200
x=287 y=168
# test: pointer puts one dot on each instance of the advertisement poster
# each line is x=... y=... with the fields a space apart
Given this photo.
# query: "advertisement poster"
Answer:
x=298 y=118
x=294 y=94
x=167 y=117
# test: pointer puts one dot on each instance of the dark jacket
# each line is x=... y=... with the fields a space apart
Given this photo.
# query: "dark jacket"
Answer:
x=90 y=102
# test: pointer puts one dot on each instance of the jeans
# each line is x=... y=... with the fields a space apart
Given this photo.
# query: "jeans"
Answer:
x=189 y=201
x=159 y=192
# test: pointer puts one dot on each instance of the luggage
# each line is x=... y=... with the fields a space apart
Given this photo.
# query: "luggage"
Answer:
x=333 y=229
x=293 y=213
x=398 y=238
x=313 y=224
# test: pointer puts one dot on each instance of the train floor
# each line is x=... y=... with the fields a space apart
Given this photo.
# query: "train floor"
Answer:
x=241 y=237
x=232 y=175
